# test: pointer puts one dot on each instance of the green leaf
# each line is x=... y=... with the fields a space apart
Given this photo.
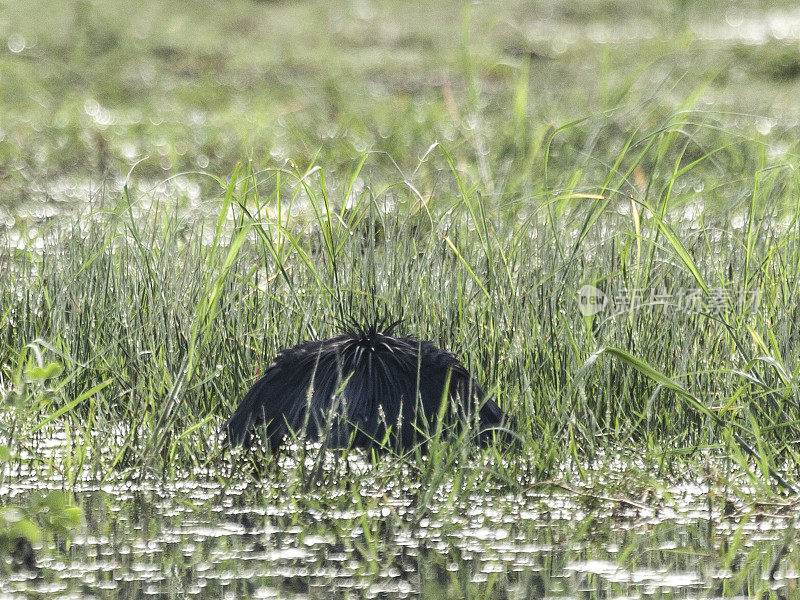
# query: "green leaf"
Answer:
x=72 y=516
x=664 y=381
x=48 y=371
x=27 y=529
x=10 y=515
x=55 y=501
x=68 y=407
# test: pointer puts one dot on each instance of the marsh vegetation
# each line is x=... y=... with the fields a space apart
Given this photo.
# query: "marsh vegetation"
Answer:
x=601 y=221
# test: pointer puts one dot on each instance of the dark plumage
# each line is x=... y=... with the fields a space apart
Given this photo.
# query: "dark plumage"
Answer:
x=367 y=383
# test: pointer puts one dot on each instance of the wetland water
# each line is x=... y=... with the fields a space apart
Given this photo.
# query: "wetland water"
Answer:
x=382 y=538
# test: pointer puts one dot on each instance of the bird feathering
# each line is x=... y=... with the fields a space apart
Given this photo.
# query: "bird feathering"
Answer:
x=362 y=388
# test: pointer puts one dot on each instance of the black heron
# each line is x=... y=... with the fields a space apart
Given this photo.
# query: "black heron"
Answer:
x=364 y=388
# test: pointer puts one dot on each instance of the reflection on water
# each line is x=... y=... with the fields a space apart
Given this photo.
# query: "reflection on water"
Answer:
x=197 y=537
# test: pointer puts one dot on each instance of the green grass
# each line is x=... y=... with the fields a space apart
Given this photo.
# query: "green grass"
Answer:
x=174 y=316
x=442 y=171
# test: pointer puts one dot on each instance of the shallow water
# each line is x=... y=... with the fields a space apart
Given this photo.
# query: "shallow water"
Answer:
x=384 y=537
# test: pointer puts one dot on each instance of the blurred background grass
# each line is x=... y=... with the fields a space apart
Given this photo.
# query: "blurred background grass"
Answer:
x=90 y=87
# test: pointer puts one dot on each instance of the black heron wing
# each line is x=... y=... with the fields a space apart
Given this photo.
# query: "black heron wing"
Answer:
x=357 y=388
